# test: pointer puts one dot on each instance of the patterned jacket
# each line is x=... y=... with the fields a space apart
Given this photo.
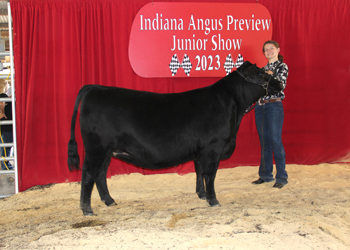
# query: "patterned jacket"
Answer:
x=281 y=74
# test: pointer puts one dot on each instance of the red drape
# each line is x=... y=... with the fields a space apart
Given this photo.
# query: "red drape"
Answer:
x=61 y=45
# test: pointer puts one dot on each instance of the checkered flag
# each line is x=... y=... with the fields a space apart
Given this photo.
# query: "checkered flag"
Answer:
x=229 y=64
x=239 y=61
x=186 y=65
x=174 y=65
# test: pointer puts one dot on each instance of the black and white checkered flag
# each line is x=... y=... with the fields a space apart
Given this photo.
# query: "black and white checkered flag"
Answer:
x=239 y=61
x=186 y=65
x=229 y=64
x=175 y=65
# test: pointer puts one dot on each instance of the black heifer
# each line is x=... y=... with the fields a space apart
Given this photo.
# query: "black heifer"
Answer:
x=158 y=131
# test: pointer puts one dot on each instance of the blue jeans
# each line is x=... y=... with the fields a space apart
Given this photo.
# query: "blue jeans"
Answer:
x=269 y=122
x=7 y=137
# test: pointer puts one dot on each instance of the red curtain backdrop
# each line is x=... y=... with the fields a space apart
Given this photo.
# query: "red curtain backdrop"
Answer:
x=61 y=45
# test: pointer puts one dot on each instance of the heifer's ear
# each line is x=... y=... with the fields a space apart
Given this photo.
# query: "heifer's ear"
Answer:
x=244 y=65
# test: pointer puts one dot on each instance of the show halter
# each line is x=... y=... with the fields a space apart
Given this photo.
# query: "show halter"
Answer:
x=248 y=79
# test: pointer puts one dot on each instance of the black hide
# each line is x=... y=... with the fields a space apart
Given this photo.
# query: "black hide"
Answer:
x=158 y=131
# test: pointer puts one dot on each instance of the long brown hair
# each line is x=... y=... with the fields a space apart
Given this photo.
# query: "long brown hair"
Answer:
x=274 y=43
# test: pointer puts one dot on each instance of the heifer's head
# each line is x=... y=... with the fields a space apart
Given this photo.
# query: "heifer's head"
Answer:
x=251 y=73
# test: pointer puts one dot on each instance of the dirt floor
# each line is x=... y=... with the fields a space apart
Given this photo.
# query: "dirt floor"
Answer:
x=163 y=212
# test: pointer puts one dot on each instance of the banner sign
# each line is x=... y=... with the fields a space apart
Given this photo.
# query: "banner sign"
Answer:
x=197 y=39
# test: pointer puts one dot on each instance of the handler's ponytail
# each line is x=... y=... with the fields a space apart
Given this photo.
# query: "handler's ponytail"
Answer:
x=280 y=58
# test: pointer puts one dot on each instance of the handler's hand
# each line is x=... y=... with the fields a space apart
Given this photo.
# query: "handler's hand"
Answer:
x=269 y=72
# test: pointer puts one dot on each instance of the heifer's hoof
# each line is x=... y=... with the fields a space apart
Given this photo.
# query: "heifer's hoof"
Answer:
x=201 y=196
x=113 y=204
x=214 y=203
x=89 y=213
x=109 y=202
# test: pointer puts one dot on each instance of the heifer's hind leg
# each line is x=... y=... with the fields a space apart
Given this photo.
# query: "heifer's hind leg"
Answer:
x=101 y=183
x=94 y=170
x=87 y=184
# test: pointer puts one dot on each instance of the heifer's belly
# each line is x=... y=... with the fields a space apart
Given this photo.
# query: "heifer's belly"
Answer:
x=150 y=162
x=153 y=153
x=156 y=151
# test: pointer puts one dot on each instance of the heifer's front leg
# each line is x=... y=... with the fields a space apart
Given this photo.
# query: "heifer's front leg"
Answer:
x=209 y=183
x=207 y=167
x=200 y=190
x=210 y=163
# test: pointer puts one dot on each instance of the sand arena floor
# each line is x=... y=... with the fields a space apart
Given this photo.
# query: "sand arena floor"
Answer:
x=163 y=212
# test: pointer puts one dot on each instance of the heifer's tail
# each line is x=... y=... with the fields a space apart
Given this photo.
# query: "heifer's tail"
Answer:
x=73 y=156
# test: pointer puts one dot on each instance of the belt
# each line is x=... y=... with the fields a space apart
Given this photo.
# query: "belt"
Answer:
x=271 y=100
